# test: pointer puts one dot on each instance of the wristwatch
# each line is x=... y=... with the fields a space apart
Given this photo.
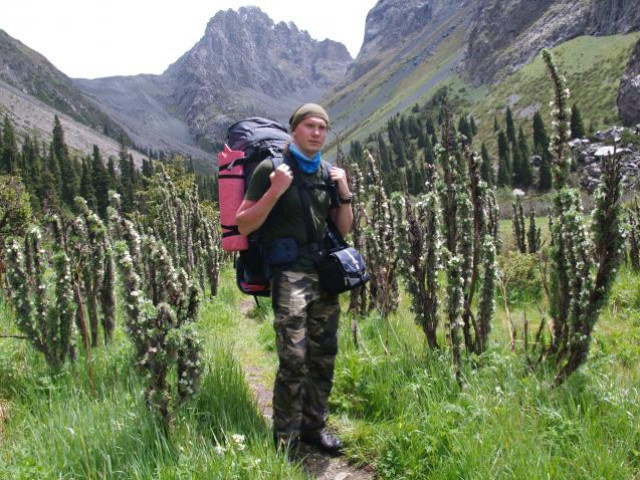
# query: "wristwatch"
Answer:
x=345 y=200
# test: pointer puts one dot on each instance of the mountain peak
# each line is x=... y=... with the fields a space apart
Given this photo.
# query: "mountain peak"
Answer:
x=245 y=64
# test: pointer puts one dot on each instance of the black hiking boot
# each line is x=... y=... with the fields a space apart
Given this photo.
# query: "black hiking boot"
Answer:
x=324 y=441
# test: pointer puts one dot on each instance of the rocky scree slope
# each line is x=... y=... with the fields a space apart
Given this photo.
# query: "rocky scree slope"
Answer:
x=32 y=74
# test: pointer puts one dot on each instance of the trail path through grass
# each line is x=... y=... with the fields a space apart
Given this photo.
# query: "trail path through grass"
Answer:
x=317 y=464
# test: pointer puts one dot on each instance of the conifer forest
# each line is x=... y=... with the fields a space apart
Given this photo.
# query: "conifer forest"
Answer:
x=498 y=337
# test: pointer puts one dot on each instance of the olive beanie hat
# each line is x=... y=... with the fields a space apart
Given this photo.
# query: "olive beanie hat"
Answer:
x=305 y=111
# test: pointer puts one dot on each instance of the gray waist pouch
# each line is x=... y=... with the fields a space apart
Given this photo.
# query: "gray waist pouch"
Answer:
x=281 y=251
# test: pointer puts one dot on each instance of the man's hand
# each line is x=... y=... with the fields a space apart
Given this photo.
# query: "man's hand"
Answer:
x=281 y=179
x=339 y=176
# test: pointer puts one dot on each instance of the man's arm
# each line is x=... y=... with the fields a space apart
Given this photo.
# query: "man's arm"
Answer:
x=252 y=214
x=342 y=216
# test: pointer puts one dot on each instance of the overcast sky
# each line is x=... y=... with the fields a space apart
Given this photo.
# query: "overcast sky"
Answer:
x=100 y=38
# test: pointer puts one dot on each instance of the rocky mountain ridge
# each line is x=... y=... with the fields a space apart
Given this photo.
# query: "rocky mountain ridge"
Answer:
x=409 y=47
x=245 y=64
x=32 y=74
x=412 y=47
x=508 y=34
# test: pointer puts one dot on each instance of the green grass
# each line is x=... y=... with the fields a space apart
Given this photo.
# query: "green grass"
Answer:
x=396 y=404
x=404 y=412
x=56 y=428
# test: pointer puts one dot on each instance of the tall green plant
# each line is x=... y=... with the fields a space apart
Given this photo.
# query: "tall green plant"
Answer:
x=519 y=230
x=358 y=300
x=419 y=241
x=93 y=257
x=534 y=241
x=45 y=308
x=633 y=235
x=191 y=235
x=577 y=292
x=381 y=245
x=469 y=247
x=167 y=346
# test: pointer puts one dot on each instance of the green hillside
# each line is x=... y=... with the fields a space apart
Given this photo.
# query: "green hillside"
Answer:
x=401 y=77
x=593 y=67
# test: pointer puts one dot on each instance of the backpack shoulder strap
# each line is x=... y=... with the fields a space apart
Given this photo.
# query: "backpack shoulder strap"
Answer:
x=331 y=186
x=276 y=161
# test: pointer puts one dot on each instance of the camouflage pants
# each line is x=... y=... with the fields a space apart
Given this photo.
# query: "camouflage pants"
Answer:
x=306 y=325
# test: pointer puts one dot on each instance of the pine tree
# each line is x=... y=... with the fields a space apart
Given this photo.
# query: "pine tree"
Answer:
x=413 y=127
x=135 y=180
x=86 y=185
x=383 y=154
x=9 y=153
x=403 y=126
x=544 y=177
x=51 y=183
x=126 y=180
x=504 y=164
x=464 y=128
x=32 y=168
x=429 y=155
x=147 y=168
x=114 y=180
x=511 y=127
x=541 y=148
x=423 y=139
x=516 y=165
x=397 y=138
x=474 y=127
x=496 y=125
x=540 y=137
x=356 y=152
x=577 y=127
x=100 y=183
x=486 y=168
x=525 y=166
x=69 y=185
x=431 y=128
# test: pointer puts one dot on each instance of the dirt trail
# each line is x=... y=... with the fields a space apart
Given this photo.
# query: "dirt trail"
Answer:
x=316 y=463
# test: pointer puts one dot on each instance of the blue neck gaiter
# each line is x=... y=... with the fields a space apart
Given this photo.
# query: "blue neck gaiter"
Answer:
x=306 y=164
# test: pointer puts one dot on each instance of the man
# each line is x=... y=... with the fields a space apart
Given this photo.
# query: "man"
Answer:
x=306 y=317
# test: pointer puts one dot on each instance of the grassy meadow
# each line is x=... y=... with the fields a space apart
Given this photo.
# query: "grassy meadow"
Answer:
x=395 y=403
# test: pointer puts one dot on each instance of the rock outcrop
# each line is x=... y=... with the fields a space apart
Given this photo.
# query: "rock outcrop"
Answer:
x=245 y=64
x=629 y=92
x=391 y=24
x=508 y=34
x=610 y=17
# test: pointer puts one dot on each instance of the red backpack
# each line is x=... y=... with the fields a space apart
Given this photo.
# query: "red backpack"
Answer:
x=249 y=142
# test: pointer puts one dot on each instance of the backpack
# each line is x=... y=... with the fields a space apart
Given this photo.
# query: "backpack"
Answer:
x=249 y=142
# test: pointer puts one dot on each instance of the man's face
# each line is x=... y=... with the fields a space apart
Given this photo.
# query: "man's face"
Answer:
x=309 y=135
